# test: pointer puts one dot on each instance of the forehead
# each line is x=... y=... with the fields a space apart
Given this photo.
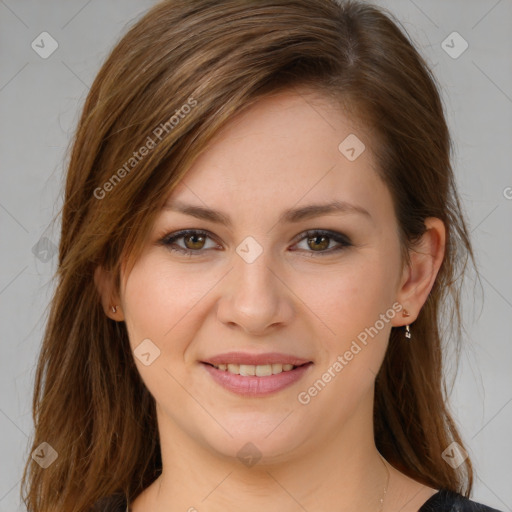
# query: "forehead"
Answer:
x=286 y=149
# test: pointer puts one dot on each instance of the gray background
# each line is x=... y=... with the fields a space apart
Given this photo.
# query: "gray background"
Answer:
x=40 y=100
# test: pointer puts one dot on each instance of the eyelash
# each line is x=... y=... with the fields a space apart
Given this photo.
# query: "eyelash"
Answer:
x=168 y=241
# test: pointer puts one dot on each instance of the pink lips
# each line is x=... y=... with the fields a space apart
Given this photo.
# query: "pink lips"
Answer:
x=253 y=386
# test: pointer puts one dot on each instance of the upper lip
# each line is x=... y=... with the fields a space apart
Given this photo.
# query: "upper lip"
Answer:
x=256 y=359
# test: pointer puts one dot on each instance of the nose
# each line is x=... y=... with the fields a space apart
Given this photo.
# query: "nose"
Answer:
x=255 y=297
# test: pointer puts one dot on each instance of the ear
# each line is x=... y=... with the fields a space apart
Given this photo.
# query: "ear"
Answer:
x=419 y=276
x=103 y=279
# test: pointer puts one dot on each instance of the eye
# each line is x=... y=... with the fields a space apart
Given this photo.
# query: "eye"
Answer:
x=194 y=241
x=319 y=240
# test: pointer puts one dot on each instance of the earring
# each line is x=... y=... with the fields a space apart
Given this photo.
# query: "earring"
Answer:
x=405 y=314
x=114 y=309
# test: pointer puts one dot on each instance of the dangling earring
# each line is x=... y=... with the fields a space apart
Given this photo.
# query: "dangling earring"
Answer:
x=114 y=309
x=407 y=328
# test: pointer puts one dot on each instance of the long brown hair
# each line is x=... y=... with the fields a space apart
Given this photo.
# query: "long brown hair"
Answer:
x=177 y=77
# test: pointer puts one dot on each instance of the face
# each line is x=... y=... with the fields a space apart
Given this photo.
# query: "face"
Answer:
x=268 y=288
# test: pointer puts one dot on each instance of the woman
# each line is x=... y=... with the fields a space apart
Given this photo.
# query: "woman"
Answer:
x=260 y=233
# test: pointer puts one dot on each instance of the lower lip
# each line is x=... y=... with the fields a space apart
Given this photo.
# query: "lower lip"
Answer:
x=256 y=386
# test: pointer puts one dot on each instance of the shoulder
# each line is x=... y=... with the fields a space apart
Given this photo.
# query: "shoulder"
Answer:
x=449 y=501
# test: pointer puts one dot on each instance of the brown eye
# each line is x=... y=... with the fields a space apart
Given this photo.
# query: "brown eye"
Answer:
x=194 y=241
x=318 y=242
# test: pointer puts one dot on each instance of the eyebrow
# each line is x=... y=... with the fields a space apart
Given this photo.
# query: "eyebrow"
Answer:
x=292 y=215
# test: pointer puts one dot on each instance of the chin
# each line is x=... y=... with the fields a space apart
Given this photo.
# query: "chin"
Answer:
x=262 y=441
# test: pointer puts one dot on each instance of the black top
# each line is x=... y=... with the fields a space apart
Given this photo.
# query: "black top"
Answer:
x=448 y=501
x=442 y=501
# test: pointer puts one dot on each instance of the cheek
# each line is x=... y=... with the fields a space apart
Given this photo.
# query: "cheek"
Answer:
x=156 y=297
x=165 y=303
x=356 y=308
x=355 y=295
x=158 y=305
x=145 y=303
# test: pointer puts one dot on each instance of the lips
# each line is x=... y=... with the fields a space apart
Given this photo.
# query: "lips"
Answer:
x=256 y=375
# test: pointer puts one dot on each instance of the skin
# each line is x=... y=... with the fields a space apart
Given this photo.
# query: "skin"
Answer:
x=292 y=299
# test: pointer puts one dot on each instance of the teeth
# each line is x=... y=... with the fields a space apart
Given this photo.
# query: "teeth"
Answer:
x=246 y=369
x=260 y=370
x=277 y=368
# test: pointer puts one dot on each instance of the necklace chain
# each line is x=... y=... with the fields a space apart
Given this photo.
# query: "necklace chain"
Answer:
x=386 y=486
